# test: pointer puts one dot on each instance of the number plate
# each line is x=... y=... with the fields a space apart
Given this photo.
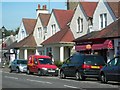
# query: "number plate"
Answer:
x=96 y=67
x=51 y=70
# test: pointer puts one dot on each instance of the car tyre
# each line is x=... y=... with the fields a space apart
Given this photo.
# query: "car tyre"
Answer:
x=28 y=72
x=17 y=70
x=39 y=73
x=10 y=70
x=62 y=75
x=77 y=75
x=103 y=79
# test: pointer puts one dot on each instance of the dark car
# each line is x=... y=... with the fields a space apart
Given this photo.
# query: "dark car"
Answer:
x=111 y=71
x=18 y=65
x=82 y=66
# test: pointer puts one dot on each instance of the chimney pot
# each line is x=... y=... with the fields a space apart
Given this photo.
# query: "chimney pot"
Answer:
x=38 y=6
x=45 y=7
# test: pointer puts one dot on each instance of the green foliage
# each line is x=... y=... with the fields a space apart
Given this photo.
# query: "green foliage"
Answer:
x=58 y=63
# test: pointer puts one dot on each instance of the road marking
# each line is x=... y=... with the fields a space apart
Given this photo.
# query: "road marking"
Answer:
x=39 y=81
x=70 y=86
x=10 y=77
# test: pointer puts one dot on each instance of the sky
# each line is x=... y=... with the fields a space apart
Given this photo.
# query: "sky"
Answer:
x=12 y=11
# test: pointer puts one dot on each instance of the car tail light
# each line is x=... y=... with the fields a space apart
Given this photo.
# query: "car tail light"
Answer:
x=101 y=67
x=84 y=66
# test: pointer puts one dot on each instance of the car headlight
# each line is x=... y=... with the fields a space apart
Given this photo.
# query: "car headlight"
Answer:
x=44 y=68
x=57 y=68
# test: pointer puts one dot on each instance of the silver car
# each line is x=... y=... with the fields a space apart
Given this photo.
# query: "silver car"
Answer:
x=18 y=65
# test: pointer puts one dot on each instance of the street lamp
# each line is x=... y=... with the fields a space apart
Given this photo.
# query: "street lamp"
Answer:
x=3 y=35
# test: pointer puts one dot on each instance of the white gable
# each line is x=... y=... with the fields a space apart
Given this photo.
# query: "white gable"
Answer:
x=36 y=33
x=22 y=33
x=102 y=7
x=52 y=21
x=79 y=12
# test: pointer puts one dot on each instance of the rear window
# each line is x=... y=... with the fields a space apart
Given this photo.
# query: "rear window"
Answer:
x=21 y=61
x=94 y=60
x=45 y=61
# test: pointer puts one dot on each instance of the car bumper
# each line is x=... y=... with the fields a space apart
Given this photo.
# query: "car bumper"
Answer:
x=50 y=72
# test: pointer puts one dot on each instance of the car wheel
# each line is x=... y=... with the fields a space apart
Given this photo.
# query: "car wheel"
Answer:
x=62 y=75
x=39 y=73
x=28 y=71
x=17 y=70
x=77 y=75
x=103 y=78
x=10 y=70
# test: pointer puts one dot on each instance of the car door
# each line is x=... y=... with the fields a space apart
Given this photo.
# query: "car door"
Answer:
x=111 y=69
x=118 y=70
x=34 y=67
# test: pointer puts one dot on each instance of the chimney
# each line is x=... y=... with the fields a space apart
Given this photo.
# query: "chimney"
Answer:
x=43 y=7
x=39 y=6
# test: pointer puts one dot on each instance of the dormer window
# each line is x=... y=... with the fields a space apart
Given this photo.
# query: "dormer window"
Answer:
x=79 y=25
x=53 y=29
x=103 y=20
x=39 y=32
x=23 y=33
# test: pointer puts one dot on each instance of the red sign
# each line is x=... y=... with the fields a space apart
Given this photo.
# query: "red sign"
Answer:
x=110 y=45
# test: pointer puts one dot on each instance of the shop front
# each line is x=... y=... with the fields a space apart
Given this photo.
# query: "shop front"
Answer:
x=103 y=47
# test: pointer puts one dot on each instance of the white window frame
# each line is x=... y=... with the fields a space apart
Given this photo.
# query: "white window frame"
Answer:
x=39 y=32
x=102 y=20
x=79 y=25
x=53 y=27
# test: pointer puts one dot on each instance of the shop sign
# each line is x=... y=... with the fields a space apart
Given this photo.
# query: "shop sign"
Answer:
x=88 y=46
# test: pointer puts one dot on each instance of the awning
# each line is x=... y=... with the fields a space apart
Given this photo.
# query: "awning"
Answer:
x=80 y=48
x=107 y=44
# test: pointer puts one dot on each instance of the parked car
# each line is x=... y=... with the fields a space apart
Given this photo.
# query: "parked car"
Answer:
x=82 y=66
x=111 y=71
x=42 y=65
x=18 y=65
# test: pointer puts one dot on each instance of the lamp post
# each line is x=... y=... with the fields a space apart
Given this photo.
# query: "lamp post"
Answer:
x=3 y=35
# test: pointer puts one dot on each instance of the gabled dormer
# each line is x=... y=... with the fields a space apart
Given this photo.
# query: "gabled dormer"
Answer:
x=58 y=20
x=82 y=18
x=105 y=14
x=26 y=28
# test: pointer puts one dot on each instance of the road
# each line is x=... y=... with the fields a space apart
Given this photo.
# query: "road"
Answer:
x=21 y=80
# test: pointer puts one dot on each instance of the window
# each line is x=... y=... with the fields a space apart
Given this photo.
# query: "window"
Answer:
x=103 y=20
x=53 y=29
x=79 y=25
x=39 y=32
x=113 y=62
x=23 y=33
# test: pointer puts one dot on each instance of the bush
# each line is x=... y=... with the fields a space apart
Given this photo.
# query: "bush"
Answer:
x=58 y=63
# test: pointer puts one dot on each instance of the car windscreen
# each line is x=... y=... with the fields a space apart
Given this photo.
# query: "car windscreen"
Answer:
x=94 y=60
x=45 y=61
x=21 y=61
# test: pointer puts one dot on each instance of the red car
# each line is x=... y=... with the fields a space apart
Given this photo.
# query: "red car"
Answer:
x=42 y=65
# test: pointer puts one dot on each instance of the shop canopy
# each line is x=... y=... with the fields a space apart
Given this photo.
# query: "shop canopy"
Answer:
x=107 y=44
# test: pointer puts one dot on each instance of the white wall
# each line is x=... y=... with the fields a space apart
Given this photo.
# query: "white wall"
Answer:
x=102 y=7
x=51 y=22
x=56 y=53
x=79 y=13
x=20 y=37
x=35 y=34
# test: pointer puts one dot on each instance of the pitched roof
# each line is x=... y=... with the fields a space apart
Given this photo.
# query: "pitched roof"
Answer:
x=29 y=41
x=89 y=7
x=29 y=24
x=111 y=31
x=63 y=16
x=115 y=6
x=44 y=18
x=61 y=36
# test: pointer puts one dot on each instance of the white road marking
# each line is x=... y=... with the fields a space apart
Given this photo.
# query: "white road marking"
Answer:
x=70 y=86
x=39 y=81
x=10 y=77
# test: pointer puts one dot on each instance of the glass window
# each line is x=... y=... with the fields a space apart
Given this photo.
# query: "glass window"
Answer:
x=21 y=61
x=45 y=61
x=94 y=60
x=113 y=62
x=80 y=25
